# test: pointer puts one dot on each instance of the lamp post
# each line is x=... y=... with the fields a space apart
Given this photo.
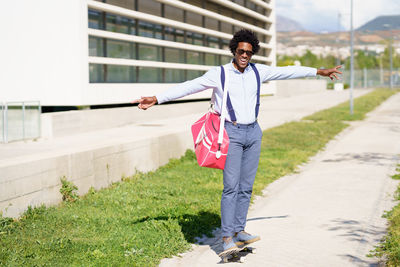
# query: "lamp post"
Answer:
x=351 y=58
x=390 y=55
x=337 y=41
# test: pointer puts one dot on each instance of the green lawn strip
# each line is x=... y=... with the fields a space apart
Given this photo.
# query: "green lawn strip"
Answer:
x=150 y=216
x=389 y=248
x=362 y=106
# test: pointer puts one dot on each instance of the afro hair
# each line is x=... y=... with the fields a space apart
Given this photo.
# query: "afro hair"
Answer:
x=244 y=36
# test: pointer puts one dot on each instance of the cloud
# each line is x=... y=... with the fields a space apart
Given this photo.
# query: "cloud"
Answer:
x=319 y=14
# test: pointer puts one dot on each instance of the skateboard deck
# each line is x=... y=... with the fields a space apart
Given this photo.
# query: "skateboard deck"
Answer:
x=238 y=255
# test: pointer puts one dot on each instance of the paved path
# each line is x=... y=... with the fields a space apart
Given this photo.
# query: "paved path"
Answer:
x=329 y=214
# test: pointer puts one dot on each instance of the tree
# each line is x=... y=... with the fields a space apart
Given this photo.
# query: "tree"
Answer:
x=309 y=59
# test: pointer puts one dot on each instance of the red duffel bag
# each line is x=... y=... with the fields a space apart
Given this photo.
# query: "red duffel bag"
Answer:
x=209 y=152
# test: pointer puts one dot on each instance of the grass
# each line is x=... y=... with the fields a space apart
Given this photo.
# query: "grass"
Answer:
x=147 y=217
x=389 y=248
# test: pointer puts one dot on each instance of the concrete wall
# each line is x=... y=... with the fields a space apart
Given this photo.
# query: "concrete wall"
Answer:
x=287 y=88
x=37 y=182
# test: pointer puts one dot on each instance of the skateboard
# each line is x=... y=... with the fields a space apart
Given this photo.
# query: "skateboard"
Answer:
x=237 y=255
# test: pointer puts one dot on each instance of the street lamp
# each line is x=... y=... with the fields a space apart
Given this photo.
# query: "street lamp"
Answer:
x=390 y=55
x=337 y=41
x=351 y=58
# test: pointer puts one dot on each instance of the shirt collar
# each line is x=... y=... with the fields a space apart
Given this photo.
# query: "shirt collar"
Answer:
x=236 y=70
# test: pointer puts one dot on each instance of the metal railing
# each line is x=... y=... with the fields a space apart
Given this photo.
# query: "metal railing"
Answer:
x=367 y=78
x=20 y=121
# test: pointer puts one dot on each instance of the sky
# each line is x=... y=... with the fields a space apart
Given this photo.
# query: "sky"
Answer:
x=322 y=15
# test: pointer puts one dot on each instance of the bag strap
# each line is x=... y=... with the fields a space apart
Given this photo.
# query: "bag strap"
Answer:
x=258 y=87
x=229 y=103
x=223 y=112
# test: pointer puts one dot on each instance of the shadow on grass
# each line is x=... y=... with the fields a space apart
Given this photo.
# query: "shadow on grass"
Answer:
x=192 y=225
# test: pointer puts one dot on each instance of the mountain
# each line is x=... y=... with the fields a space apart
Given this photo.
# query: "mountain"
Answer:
x=284 y=24
x=382 y=23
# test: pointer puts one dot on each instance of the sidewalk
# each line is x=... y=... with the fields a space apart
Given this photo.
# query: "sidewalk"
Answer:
x=329 y=214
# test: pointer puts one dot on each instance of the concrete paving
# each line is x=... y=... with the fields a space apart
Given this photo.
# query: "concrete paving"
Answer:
x=330 y=213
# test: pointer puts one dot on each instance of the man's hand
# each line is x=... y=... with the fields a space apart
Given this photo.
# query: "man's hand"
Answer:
x=145 y=102
x=330 y=72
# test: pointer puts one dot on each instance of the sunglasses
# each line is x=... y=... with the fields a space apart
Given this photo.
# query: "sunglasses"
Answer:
x=248 y=52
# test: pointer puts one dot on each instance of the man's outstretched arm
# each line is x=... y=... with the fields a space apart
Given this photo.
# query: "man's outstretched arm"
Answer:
x=268 y=73
x=209 y=80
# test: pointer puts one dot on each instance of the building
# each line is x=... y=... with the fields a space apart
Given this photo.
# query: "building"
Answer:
x=83 y=53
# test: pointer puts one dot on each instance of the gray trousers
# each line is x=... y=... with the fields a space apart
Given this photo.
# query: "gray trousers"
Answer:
x=239 y=173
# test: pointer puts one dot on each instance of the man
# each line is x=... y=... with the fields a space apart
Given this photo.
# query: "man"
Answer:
x=243 y=131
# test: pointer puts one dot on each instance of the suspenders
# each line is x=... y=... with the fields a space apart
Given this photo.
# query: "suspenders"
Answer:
x=229 y=103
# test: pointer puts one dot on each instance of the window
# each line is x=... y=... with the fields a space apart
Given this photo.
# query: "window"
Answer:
x=240 y=16
x=174 y=13
x=150 y=30
x=174 y=76
x=211 y=23
x=251 y=5
x=169 y=34
x=239 y=2
x=193 y=74
x=194 y=18
x=95 y=19
x=260 y=10
x=120 y=49
x=149 y=75
x=117 y=24
x=225 y=44
x=212 y=42
x=120 y=74
x=174 y=55
x=95 y=47
x=179 y=36
x=96 y=73
x=197 y=3
x=130 y=4
x=226 y=27
x=193 y=57
x=211 y=59
x=172 y=34
x=194 y=38
x=149 y=52
x=225 y=59
x=152 y=7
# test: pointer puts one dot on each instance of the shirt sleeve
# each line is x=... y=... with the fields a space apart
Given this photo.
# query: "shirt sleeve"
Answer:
x=209 y=80
x=268 y=73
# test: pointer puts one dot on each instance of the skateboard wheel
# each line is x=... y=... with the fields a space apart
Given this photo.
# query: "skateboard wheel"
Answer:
x=225 y=259
x=242 y=259
x=254 y=251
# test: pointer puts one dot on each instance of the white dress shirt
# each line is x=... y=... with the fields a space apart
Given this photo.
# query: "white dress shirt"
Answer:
x=242 y=87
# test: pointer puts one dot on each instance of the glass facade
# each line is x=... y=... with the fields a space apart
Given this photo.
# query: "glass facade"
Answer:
x=102 y=73
x=103 y=47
